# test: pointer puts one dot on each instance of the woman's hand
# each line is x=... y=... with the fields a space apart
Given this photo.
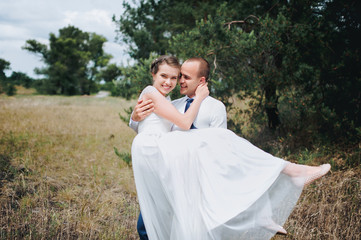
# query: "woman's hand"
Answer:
x=202 y=91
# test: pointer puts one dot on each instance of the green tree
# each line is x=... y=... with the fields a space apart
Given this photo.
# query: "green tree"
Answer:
x=339 y=63
x=6 y=84
x=148 y=26
x=4 y=65
x=73 y=60
x=99 y=59
x=111 y=73
x=297 y=61
x=152 y=19
x=133 y=79
x=246 y=57
x=22 y=79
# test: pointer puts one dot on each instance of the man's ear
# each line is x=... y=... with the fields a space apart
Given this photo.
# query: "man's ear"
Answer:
x=203 y=80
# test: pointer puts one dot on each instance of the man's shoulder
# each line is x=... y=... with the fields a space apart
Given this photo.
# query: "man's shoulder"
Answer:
x=213 y=101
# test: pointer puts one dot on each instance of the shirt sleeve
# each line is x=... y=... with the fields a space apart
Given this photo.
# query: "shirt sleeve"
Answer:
x=219 y=117
x=133 y=124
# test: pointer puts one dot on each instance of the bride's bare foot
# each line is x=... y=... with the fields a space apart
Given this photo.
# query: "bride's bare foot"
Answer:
x=281 y=231
x=305 y=175
x=323 y=169
x=273 y=227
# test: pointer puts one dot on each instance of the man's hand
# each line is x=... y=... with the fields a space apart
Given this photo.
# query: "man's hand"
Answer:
x=142 y=110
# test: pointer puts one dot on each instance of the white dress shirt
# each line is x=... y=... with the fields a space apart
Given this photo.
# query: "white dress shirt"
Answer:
x=212 y=114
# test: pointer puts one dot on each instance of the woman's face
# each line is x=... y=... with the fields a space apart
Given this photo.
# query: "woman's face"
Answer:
x=166 y=78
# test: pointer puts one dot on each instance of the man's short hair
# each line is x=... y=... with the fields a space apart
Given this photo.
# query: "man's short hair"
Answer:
x=204 y=67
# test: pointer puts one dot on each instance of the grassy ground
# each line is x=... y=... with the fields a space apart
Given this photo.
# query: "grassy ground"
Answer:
x=60 y=178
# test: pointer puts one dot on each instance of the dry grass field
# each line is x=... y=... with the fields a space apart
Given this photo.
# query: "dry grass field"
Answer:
x=60 y=178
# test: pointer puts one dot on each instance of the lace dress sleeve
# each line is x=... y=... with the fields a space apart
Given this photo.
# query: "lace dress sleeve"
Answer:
x=148 y=89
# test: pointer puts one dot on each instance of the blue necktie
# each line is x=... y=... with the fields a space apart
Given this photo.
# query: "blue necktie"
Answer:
x=189 y=101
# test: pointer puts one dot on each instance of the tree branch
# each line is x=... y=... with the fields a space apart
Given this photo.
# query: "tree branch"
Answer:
x=241 y=21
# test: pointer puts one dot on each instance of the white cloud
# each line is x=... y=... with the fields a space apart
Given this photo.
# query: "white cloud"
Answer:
x=21 y=20
x=9 y=31
x=95 y=20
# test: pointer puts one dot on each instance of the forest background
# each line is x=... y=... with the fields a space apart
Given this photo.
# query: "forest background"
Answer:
x=289 y=73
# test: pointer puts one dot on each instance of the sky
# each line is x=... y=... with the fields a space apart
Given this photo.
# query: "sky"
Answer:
x=21 y=20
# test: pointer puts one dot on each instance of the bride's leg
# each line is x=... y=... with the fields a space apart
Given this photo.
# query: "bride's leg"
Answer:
x=309 y=173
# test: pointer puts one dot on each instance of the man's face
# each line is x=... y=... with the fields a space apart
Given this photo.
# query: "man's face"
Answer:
x=189 y=79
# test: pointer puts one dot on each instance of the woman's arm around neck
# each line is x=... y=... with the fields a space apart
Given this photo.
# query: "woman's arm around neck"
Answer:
x=163 y=108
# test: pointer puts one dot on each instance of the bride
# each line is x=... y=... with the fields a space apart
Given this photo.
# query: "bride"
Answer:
x=207 y=183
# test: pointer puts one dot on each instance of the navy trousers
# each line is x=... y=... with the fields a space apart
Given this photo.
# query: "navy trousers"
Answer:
x=141 y=228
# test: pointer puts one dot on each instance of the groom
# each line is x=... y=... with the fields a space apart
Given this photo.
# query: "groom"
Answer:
x=211 y=114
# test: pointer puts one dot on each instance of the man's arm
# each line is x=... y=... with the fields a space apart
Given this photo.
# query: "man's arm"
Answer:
x=142 y=110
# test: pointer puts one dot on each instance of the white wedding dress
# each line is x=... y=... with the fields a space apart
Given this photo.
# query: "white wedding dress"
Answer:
x=207 y=184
